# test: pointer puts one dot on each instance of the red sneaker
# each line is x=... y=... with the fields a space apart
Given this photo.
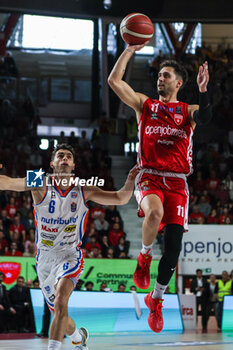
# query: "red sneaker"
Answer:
x=155 y=318
x=141 y=275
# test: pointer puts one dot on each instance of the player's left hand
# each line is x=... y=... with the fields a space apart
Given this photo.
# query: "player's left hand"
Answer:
x=203 y=77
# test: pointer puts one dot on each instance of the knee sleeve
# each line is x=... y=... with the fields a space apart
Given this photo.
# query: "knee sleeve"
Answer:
x=172 y=246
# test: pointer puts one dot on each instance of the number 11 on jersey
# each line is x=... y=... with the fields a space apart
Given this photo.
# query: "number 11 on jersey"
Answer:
x=180 y=210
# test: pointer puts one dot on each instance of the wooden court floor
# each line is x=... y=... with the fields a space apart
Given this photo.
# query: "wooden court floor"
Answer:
x=134 y=341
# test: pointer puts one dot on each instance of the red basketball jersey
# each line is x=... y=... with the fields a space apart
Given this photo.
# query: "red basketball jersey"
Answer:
x=165 y=135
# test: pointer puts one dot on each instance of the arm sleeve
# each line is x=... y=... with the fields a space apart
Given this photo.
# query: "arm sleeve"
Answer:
x=204 y=114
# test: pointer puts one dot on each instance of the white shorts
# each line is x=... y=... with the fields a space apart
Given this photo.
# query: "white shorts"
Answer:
x=51 y=268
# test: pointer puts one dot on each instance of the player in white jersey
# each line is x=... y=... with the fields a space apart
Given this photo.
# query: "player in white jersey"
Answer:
x=60 y=214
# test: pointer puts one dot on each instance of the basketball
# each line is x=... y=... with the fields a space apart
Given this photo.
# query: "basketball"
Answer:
x=136 y=29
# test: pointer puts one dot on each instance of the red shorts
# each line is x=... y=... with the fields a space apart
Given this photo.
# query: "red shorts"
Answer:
x=173 y=193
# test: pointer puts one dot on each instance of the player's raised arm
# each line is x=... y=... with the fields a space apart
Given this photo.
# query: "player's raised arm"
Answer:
x=12 y=184
x=202 y=114
x=120 y=197
x=120 y=87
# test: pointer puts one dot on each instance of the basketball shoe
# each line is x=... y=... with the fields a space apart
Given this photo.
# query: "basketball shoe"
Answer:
x=83 y=344
x=155 y=318
x=141 y=275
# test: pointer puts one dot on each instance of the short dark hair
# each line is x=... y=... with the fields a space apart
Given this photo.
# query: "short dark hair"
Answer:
x=198 y=270
x=178 y=68
x=62 y=146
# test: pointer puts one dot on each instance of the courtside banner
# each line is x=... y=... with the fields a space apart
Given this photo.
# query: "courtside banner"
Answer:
x=111 y=271
x=207 y=247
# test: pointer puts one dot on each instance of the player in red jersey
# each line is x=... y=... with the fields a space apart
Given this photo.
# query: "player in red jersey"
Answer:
x=165 y=158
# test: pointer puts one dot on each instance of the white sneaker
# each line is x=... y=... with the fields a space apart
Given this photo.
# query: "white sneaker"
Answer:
x=83 y=344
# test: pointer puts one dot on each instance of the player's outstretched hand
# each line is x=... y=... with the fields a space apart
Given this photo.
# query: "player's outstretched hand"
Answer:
x=203 y=77
x=1 y=166
x=134 y=48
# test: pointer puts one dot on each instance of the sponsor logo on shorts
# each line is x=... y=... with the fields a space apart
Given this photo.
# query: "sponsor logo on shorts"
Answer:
x=48 y=236
x=74 y=195
x=49 y=229
x=71 y=235
x=51 y=298
x=47 y=289
x=70 y=228
x=47 y=242
x=69 y=243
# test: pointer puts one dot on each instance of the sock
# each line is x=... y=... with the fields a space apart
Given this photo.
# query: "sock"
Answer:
x=54 y=345
x=145 y=249
x=76 y=336
x=158 y=291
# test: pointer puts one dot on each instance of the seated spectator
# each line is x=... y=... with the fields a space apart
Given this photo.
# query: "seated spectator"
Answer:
x=222 y=194
x=104 y=246
x=3 y=243
x=110 y=253
x=30 y=222
x=199 y=183
x=195 y=215
x=104 y=288
x=229 y=185
x=88 y=286
x=224 y=215
x=115 y=233
x=101 y=225
x=96 y=210
x=212 y=182
x=121 y=288
x=213 y=218
x=111 y=214
x=17 y=227
x=11 y=208
x=36 y=284
x=19 y=296
x=28 y=284
x=204 y=206
x=84 y=143
x=92 y=243
x=30 y=244
x=121 y=246
x=6 y=221
x=6 y=310
x=95 y=253
x=35 y=160
x=24 y=210
x=13 y=250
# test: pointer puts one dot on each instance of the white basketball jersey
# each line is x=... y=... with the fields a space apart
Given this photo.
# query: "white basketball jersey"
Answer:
x=60 y=219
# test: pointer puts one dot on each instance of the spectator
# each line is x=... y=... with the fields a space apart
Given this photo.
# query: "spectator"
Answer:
x=104 y=245
x=46 y=322
x=92 y=243
x=3 y=243
x=28 y=284
x=121 y=246
x=95 y=253
x=13 y=250
x=89 y=286
x=121 y=288
x=212 y=300
x=222 y=194
x=199 y=183
x=110 y=253
x=111 y=214
x=229 y=185
x=224 y=215
x=213 y=182
x=20 y=299
x=204 y=206
x=115 y=233
x=223 y=287
x=199 y=288
x=36 y=284
x=6 y=310
x=30 y=222
x=101 y=224
x=18 y=228
x=213 y=218
x=30 y=245
x=83 y=141
x=104 y=288
x=11 y=208
x=196 y=215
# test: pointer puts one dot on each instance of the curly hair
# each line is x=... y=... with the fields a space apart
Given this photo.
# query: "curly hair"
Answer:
x=179 y=70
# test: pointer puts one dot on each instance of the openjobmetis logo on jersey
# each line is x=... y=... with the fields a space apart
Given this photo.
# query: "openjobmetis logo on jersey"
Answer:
x=165 y=130
x=38 y=178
